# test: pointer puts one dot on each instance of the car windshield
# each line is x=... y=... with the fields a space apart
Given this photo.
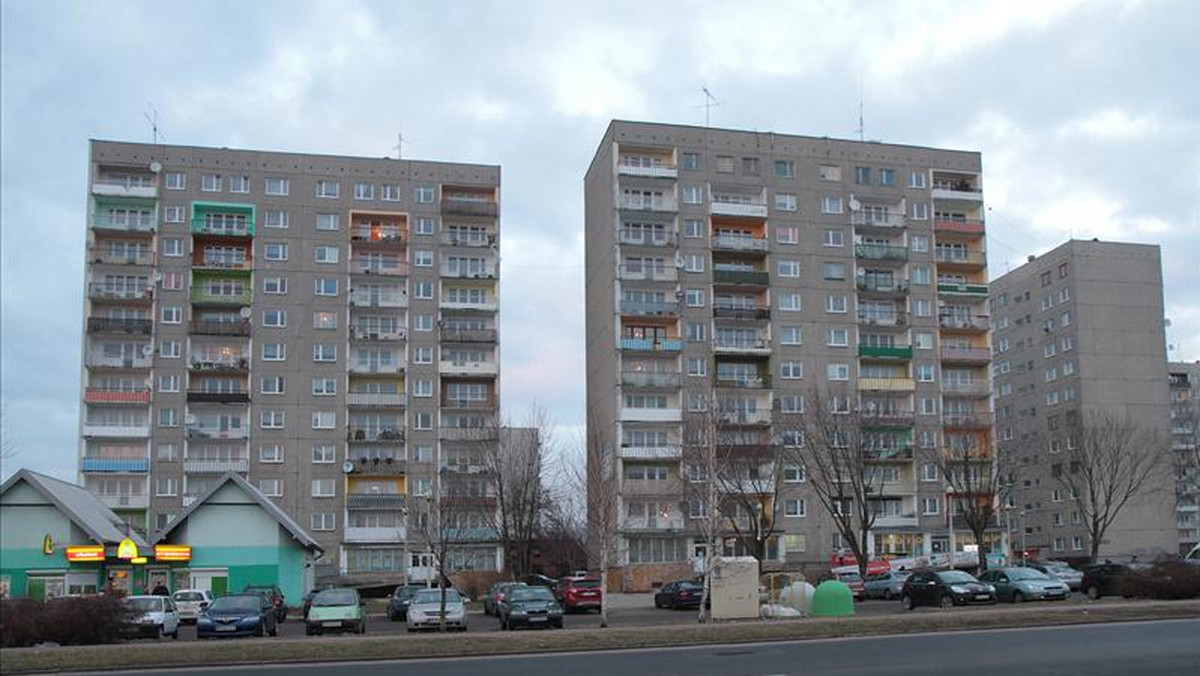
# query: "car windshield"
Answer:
x=849 y=577
x=145 y=605
x=406 y=592
x=260 y=590
x=586 y=584
x=531 y=594
x=1026 y=574
x=955 y=577
x=188 y=596
x=435 y=596
x=689 y=585
x=236 y=604
x=335 y=597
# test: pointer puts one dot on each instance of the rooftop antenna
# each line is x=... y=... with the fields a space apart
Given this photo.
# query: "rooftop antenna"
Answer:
x=861 y=128
x=152 y=118
x=399 y=145
x=710 y=102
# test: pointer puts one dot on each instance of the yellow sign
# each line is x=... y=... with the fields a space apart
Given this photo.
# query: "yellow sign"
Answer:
x=127 y=550
x=138 y=559
x=47 y=544
x=173 y=552
x=86 y=553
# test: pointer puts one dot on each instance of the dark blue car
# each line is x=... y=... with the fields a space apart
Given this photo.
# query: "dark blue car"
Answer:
x=237 y=615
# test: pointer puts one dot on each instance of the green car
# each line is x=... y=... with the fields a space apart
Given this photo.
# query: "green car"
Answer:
x=336 y=610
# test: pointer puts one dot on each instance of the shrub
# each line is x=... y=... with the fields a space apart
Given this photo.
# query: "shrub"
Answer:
x=18 y=622
x=66 y=621
x=474 y=584
x=1172 y=580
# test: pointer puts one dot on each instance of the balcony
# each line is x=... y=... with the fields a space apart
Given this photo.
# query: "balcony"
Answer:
x=477 y=240
x=966 y=355
x=375 y=333
x=979 y=290
x=892 y=288
x=239 y=396
x=948 y=226
x=756 y=417
x=949 y=259
x=962 y=191
x=379 y=534
x=393 y=235
x=649 y=308
x=457 y=272
x=663 y=203
x=392 y=298
x=719 y=207
x=125 y=501
x=762 y=382
x=202 y=431
x=223 y=219
x=132 y=258
x=111 y=292
x=467 y=433
x=882 y=253
x=382 y=268
x=119 y=325
x=652 y=452
x=964 y=324
x=389 y=467
x=239 y=465
x=100 y=395
x=233 y=363
x=144 y=187
x=749 y=277
x=101 y=431
x=655 y=525
x=375 y=501
x=648 y=171
x=734 y=345
x=484 y=304
x=886 y=417
x=116 y=465
x=377 y=399
x=452 y=335
x=390 y=368
x=887 y=384
x=646 y=489
x=741 y=312
x=641 y=379
x=899 y=352
x=231 y=262
x=644 y=273
x=885 y=320
x=739 y=243
x=202 y=295
x=651 y=415
x=651 y=344
x=974 y=421
x=97 y=360
x=469 y=500
x=486 y=404
x=465 y=206
x=897 y=521
x=124 y=222
x=469 y=368
x=871 y=219
x=205 y=327
x=375 y=434
x=472 y=535
x=639 y=238
x=973 y=388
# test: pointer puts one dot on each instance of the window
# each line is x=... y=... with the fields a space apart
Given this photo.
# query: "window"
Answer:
x=325 y=320
x=1063 y=270
x=930 y=506
x=324 y=352
x=922 y=307
x=924 y=341
x=325 y=254
x=916 y=179
x=277 y=186
x=389 y=192
x=424 y=194
x=323 y=488
x=835 y=304
x=692 y=194
x=787 y=235
x=275 y=318
x=323 y=521
x=793 y=474
x=791 y=370
x=694 y=297
x=929 y=472
x=239 y=184
x=791 y=403
x=1068 y=343
x=838 y=337
x=862 y=175
x=165 y=486
x=920 y=211
x=785 y=201
x=272 y=385
x=1065 y=319
x=788 y=268
x=928 y=406
x=364 y=191
x=169 y=349
x=785 y=169
x=789 y=302
x=423 y=421
x=697 y=367
x=328 y=189
x=423 y=258
x=1077 y=543
x=275 y=218
x=833 y=238
x=168 y=383
x=274 y=352
x=794 y=507
x=837 y=371
x=750 y=166
x=887 y=177
x=834 y=270
x=325 y=286
x=324 y=420
x=173 y=214
x=172 y=315
x=328 y=222
x=790 y=335
x=270 y=420
x=210 y=182
x=168 y=417
x=920 y=243
x=172 y=246
x=423 y=355
x=725 y=164
x=1064 y=295
x=925 y=373
x=324 y=387
x=424 y=226
x=922 y=275
x=695 y=332
x=423 y=322
x=689 y=161
x=423 y=388
x=693 y=263
x=272 y=488
x=275 y=286
x=167 y=452
x=692 y=229
x=830 y=173
x=831 y=205
x=176 y=180
x=423 y=290
x=275 y=251
x=1068 y=368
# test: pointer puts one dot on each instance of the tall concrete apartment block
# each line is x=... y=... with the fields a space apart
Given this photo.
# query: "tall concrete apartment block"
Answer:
x=324 y=326
x=767 y=269
x=1079 y=330
x=1185 y=433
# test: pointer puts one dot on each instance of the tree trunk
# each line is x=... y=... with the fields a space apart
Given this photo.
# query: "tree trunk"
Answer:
x=603 y=593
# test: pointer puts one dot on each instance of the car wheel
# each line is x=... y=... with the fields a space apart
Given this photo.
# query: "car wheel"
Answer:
x=391 y=616
x=274 y=630
x=1018 y=597
x=308 y=631
x=947 y=601
x=1093 y=592
x=887 y=595
x=261 y=631
x=175 y=634
x=906 y=602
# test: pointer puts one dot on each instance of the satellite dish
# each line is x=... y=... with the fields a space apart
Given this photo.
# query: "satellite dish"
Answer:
x=245 y=313
x=156 y=166
x=855 y=205
x=348 y=466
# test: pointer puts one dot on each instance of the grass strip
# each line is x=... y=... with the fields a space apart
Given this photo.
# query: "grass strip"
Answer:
x=327 y=649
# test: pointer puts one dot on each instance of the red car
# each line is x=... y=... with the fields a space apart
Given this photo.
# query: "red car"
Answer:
x=578 y=593
x=850 y=578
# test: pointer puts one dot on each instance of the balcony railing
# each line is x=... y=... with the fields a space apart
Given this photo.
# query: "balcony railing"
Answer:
x=908 y=520
x=375 y=333
x=125 y=223
x=119 y=325
x=205 y=327
x=144 y=187
x=883 y=319
x=887 y=384
x=138 y=258
x=97 y=360
x=373 y=434
x=741 y=311
x=484 y=272
x=390 y=268
x=881 y=252
x=966 y=354
x=106 y=291
x=743 y=209
x=951 y=257
x=648 y=273
x=390 y=298
x=651 y=344
x=956 y=190
x=755 y=277
x=755 y=417
x=650 y=380
x=652 y=452
x=240 y=396
x=469 y=368
x=223 y=262
x=646 y=239
x=485 y=404
x=125 y=500
x=963 y=289
x=475 y=240
x=639 y=203
x=655 y=171
x=103 y=431
x=656 y=524
x=448 y=433
x=964 y=323
x=874 y=219
x=376 y=399
x=750 y=382
x=202 y=295
x=469 y=207
x=651 y=414
x=896 y=286
x=979 y=420
x=738 y=243
x=235 y=362
x=649 y=308
x=380 y=534
x=375 y=501
x=896 y=352
x=198 y=466
x=741 y=345
x=223 y=227
x=964 y=227
x=201 y=431
x=127 y=465
x=365 y=234
x=970 y=387
x=390 y=368
x=886 y=418
x=469 y=335
x=386 y=466
x=101 y=395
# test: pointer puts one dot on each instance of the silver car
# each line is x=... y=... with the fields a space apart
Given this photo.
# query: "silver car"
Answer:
x=1060 y=571
x=1025 y=584
x=425 y=610
x=191 y=602
x=885 y=586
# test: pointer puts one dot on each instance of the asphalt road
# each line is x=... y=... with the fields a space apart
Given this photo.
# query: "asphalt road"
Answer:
x=1164 y=648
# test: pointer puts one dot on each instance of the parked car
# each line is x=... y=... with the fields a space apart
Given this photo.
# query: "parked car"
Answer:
x=151 y=616
x=1061 y=571
x=1104 y=579
x=525 y=606
x=679 y=594
x=578 y=593
x=945 y=588
x=238 y=615
x=336 y=610
x=191 y=602
x=886 y=586
x=1025 y=584
x=849 y=578
x=496 y=594
x=274 y=594
x=425 y=610
x=397 y=608
x=538 y=580
x=1192 y=557
x=306 y=602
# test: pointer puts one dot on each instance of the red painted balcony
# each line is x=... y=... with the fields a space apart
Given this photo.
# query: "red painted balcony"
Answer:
x=100 y=395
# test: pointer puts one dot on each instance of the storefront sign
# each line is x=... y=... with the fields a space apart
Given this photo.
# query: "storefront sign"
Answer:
x=138 y=559
x=86 y=553
x=172 y=552
x=47 y=544
x=127 y=550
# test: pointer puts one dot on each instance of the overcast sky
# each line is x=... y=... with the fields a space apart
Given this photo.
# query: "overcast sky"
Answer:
x=1087 y=115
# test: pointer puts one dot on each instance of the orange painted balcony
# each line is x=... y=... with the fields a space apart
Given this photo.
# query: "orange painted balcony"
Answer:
x=100 y=395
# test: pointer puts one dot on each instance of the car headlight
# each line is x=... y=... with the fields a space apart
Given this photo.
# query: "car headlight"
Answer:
x=416 y=615
x=517 y=611
x=991 y=588
x=958 y=589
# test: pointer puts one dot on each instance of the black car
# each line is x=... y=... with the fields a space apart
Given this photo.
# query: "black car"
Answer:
x=526 y=606
x=945 y=588
x=538 y=580
x=238 y=615
x=1104 y=579
x=397 y=609
x=679 y=594
x=274 y=595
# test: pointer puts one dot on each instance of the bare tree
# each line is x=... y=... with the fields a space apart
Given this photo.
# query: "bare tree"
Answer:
x=595 y=480
x=512 y=465
x=1109 y=459
x=842 y=465
x=8 y=448
x=700 y=489
x=434 y=526
x=973 y=473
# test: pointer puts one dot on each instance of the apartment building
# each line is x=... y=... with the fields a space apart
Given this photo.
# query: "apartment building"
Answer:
x=1185 y=438
x=324 y=326
x=762 y=271
x=1079 y=330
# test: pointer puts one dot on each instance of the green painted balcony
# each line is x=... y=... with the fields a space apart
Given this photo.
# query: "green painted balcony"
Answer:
x=963 y=289
x=901 y=352
x=201 y=293
x=223 y=219
x=758 y=278
x=881 y=252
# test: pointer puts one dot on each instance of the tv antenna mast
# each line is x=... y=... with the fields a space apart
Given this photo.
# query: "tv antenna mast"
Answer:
x=861 y=128
x=710 y=102
x=399 y=145
x=152 y=118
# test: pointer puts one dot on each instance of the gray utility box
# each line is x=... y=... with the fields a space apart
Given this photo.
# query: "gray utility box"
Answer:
x=734 y=588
